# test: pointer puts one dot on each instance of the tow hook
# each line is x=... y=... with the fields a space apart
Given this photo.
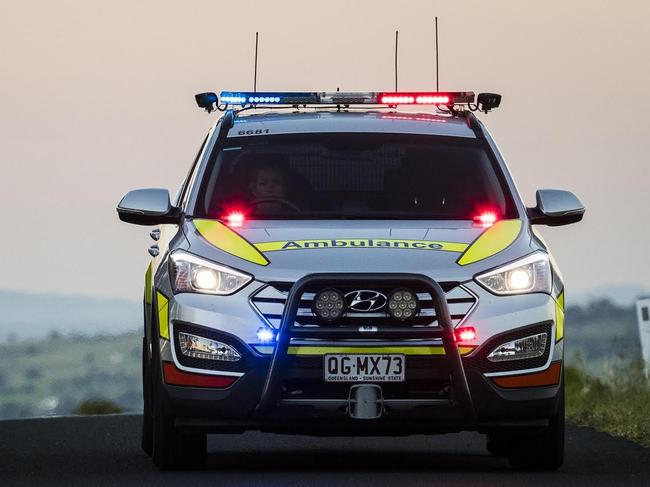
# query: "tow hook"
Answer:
x=365 y=401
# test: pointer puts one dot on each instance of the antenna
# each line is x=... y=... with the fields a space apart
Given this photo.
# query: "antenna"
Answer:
x=255 y=72
x=437 y=73
x=396 y=39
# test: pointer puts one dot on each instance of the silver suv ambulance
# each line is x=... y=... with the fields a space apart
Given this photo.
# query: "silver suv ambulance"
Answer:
x=334 y=266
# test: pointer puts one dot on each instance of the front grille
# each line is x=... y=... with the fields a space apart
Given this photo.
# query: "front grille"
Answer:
x=269 y=302
x=242 y=365
x=479 y=359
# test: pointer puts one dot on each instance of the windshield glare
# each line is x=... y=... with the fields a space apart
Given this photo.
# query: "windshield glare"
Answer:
x=355 y=176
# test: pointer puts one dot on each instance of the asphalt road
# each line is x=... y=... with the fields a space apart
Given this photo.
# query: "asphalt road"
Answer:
x=104 y=450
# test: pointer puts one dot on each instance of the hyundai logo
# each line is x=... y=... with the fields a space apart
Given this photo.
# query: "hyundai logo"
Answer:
x=365 y=300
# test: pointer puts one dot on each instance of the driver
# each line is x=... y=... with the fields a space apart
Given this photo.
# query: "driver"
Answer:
x=268 y=186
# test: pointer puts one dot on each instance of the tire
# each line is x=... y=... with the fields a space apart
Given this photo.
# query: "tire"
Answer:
x=541 y=449
x=147 y=410
x=498 y=444
x=172 y=449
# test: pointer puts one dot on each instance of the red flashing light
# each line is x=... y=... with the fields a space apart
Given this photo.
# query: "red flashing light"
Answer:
x=425 y=98
x=235 y=219
x=176 y=377
x=465 y=334
x=486 y=219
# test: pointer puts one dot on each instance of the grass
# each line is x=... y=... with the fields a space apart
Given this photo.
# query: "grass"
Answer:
x=56 y=376
x=617 y=403
x=97 y=406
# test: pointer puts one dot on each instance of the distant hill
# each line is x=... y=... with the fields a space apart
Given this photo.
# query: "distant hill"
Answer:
x=621 y=294
x=26 y=315
x=602 y=333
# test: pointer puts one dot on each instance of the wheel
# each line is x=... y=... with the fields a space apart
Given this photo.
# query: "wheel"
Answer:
x=541 y=449
x=498 y=444
x=147 y=412
x=172 y=449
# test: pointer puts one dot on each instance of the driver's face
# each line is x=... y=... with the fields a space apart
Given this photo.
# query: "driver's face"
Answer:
x=268 y=183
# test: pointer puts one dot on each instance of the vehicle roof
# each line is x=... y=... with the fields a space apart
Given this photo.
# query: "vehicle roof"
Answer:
x=352 y=121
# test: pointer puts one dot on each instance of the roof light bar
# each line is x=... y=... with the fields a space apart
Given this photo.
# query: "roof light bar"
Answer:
x=243 y=98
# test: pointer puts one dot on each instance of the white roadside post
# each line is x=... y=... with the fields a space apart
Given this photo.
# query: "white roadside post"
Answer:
x=643 y=317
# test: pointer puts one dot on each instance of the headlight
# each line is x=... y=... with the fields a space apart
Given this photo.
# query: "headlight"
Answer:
x=191 y=274
x=531 y=274
x=529 y=347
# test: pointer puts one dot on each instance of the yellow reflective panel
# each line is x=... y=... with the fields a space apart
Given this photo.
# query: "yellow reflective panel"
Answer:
x=426 y=350
x=559 y=317
x=163 y=315
x=492 y=241
x=147 y=284
x=360 y=243
x=229 y=241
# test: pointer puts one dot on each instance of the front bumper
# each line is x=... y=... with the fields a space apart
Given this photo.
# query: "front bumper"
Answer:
x=233 y=410
x=237 y=408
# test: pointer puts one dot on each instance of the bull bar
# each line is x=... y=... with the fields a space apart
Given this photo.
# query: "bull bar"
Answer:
x=444 y=330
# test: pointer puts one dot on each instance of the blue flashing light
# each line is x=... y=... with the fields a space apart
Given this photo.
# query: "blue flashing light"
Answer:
x=268 y=98
x=265 y=335
x=263 y=99
x=233 y=98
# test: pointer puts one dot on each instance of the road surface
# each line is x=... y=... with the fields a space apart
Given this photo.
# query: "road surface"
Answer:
x=104 y=450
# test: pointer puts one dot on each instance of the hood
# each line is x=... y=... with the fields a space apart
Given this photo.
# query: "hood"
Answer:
x=287 y=250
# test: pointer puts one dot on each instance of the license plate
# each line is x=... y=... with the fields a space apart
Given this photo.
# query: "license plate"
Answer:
x=364 y=367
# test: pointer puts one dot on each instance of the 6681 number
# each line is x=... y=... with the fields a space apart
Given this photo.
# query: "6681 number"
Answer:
x=253 y=132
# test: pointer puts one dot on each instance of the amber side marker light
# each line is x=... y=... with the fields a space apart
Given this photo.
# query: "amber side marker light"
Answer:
x=176 y=377
x=548 y=377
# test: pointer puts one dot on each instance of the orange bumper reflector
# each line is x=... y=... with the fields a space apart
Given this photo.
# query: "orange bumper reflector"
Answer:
x=176 y=377
x=548 y=377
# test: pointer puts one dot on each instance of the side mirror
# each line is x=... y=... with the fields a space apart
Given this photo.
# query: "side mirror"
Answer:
x=556 y=207
x=147 y=207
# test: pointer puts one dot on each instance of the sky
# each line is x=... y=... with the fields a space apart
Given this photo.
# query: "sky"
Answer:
x=96 y=98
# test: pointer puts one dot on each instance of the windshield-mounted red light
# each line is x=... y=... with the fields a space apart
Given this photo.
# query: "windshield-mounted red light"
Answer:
x=235 y=219
x=486 y=219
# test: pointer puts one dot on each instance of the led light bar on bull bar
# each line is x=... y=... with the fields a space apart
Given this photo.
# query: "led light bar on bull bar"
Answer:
x=243 y=98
